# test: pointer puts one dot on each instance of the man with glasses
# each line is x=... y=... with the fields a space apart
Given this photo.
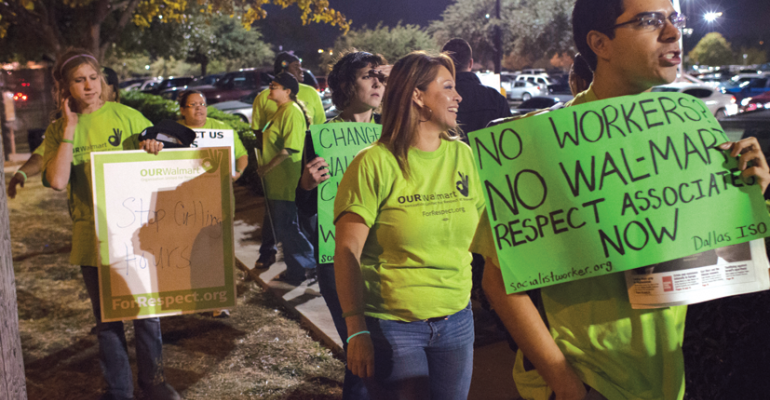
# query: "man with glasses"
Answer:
x=590 y=344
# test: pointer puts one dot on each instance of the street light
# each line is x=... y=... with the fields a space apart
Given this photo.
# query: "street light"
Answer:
x=712 y=16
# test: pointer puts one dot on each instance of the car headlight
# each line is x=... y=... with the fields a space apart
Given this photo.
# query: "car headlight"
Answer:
x=745 y=101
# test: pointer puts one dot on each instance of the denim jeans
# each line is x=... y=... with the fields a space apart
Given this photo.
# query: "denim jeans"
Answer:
x=422 y=359
x=113 y=351
x=353 y=387
x=297 y=250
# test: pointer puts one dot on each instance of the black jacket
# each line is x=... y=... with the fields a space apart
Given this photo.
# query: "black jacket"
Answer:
x=480 y=103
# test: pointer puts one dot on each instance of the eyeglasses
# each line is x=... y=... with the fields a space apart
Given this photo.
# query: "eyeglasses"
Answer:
x=656 y=20
x=196 y=105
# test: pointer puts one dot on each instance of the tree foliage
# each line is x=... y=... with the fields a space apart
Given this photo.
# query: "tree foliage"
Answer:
x=223 y=39
x=712 y=49
x=532 y=29
x=53 y=25
x=392 y=43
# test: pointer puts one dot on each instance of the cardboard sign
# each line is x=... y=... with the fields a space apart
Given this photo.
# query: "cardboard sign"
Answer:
x=338 y=144
x=612 y=185
x=165 y=230
x=206 y=138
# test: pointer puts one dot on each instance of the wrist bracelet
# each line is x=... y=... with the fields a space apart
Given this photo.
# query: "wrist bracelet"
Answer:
x=352 y=313
x=356 y=334
x=22 y=174
x=72 y=142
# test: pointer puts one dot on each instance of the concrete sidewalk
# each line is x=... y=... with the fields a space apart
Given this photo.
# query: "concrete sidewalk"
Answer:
x=493 y=358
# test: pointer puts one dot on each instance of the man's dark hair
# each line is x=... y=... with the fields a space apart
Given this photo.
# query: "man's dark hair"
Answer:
x=342 y=79
x=594 y=15
x=460 y=52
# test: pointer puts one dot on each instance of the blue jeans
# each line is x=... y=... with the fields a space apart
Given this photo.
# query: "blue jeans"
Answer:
x=297 y=250
x=113 y=352
x=422 y=359
x=353 y=387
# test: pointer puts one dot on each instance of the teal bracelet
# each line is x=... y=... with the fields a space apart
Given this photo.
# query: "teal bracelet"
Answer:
x=356 y=334
x=22 y=174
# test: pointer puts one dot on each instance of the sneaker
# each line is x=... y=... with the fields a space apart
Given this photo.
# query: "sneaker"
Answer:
x=311 y=276
x=222 y=314
x=282 y=277
x=164 y=391
x=264 y=262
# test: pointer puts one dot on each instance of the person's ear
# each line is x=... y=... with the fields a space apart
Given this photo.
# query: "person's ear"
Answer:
x=417 y=98
x=600 y=44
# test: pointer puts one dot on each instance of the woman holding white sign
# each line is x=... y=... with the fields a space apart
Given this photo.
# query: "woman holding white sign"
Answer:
x=283 y=139
x=192 y=106
x=405 y=213
x=91 y=123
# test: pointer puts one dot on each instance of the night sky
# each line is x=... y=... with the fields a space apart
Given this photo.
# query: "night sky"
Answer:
x=744 y=22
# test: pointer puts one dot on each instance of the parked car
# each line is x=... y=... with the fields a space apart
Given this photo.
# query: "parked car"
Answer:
x=754 y=103
x=205 y=80
x=142 y=85
x=536 y=79
x=720 y=104
x=539 y=103
x=168 y=83
x=241 y=108
x=752 y=87
x=235 y=85
x=132 y=82
x=525 y=90
x=534 y=71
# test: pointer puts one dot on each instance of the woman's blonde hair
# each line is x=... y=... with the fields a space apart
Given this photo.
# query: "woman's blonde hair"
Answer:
x=400 y=114
x=65 y=66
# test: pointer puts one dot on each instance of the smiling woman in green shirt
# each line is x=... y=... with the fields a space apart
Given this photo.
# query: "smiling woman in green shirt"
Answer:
x=405 y=214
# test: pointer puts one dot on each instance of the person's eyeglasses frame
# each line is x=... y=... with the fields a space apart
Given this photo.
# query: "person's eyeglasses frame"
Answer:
x=676 y=19
x=196 y=105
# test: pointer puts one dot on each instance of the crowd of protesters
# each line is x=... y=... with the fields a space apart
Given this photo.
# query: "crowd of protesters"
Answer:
x=400 y=286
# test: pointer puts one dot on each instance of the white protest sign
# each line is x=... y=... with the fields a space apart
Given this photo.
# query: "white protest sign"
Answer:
x=205 y=138
x=165 y=229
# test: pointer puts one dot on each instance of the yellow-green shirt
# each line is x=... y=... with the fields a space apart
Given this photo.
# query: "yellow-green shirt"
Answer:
x=40 y=150
x=415 y=261
x=621 y=352
x=264 y=109
x=212 y=123
x=286 y=130
x=113 y=127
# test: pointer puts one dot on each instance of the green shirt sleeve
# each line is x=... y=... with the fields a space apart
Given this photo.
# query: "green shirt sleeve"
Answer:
x=51 y=145
x=261 y=110
x=40 y=150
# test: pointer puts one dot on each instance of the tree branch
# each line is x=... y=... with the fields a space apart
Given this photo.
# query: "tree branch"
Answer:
x=125 y=16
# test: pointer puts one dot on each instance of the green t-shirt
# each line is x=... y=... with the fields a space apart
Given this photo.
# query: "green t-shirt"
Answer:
x=264 y=109
x=212 y=123
x=415 y=261
x=621 y=352
x=286 y=130
x=40 y=150
x=113 y=127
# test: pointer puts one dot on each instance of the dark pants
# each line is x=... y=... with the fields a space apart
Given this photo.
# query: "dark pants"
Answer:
x=113 y=351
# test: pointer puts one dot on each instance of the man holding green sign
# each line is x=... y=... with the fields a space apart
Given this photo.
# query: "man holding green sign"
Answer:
x=631 y=180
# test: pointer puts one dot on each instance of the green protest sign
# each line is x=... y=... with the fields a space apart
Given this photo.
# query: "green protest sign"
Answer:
x=165 y=229
x=611 y=185
x=338 y=144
